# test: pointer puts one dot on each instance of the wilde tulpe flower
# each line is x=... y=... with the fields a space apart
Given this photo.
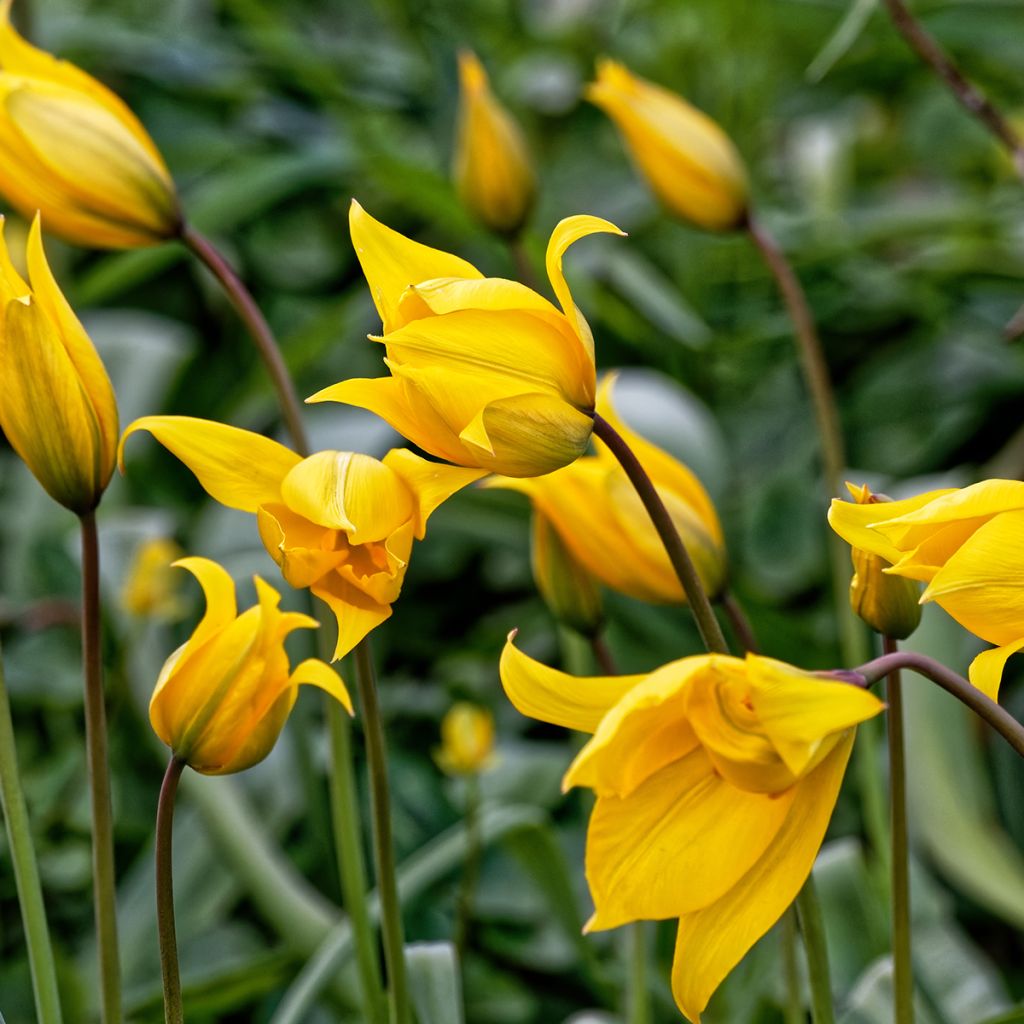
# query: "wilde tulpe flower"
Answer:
x=340 y=523
x=715 y=780
x=467 y=740
x=72 y=150
x=689 y=162
x=966 y=545
x=57 y=406
x=152 y=587
x=492 y=168
x=484 y=371
x=223 y=697
x=606 y=528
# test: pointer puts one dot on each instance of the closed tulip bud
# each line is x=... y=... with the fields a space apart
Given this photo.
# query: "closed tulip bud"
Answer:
x=492 y=170
x=72 y=150
x=570 y=592
x=152 y=587
x=467 y=740
x=689 y=162
x=223 y=697
x=57 y=406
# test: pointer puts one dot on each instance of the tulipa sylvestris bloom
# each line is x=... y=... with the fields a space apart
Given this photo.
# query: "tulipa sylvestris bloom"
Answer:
x=72 y=150
x=966 y=546
x=223 y=697
x=605 y=527
x=467 y=740
x=340 y=523
x=715 y=780
x=689 y=162
x=492 y=169
x=484 y=372
x=57 y=406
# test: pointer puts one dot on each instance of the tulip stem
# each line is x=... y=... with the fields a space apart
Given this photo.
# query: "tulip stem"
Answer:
x=793 y=1008
x=603 y=655
x=700 y=606
x=812 y=925
x=259 y=330
x=103 y=878
x=524 y=267
x=26 y=871
x=639 y=1009
x=470 y=866
x=741 y=627
x=173 y=1012
x=903 y=974
x=383 y=844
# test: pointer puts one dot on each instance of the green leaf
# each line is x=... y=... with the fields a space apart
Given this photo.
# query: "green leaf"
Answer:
x=434 y=982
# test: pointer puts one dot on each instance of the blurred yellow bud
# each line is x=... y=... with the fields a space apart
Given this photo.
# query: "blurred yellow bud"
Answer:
x=492 y=168
x=570 y=592
x=223 y=697
x=57 y=406
x=152 y=587
x=467 y=740
x=689 y=162
x=72 y=150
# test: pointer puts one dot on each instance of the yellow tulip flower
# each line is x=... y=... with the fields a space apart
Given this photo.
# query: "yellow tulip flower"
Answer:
x=223 y=697
x=492 y=169
x=57 y=407
x=72 y=150
x=151 y=587
x=966 y=545
x=606 y=528
x=689 y=162
x=715 y=780
x=467 y=740
x=484 y=372
x=340 y=523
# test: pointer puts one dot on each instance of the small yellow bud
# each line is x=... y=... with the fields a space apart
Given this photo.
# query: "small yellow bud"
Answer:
x=570 y=592
x=57 y=406
x=492 y=170
x=467 y=740
x=689 y=162
x=152 y=587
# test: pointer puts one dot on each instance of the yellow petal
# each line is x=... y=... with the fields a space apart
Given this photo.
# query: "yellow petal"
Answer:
x=356 y=612
x=571 y=593
x=713 y=940
x=552 y=696
x=430 y=483
x=392 y=262
x=931 y=554
x=12 y=285
x=236 y=467
x=257 y=741
x=448 y=295
x=676 y=844
x=219 y=591
x=313 y=672
x=304 y=551
x=986 y=670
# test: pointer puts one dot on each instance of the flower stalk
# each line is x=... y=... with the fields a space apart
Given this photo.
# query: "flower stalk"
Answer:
x=812 y=924
x=173 y=1012
x=470 y=867
x=638 y=1010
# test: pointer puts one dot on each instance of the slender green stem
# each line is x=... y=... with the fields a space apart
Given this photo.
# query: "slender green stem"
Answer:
x=524 y=267
x=793 y=1008
x=903 y=971
x=812 y=925
x=471 y=866
x=259 y=330
x=26 y=871
x=741 y=627
x=104 y=884
x=383 y=845
x=638 y=1009
x=603 y=655
x=173 y=1012
x=700 y=606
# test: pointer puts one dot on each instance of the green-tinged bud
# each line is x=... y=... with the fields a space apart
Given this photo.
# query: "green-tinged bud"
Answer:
x=570 y=592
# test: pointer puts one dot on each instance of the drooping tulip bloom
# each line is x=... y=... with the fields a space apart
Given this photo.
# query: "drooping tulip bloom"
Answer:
x=484 y=372
x=72 y=150
x=223 y=697
x=715 y=780
x=492 y=169
x=689 y=162
x=57 y=406
x=467 y=740
x=966 y=546
x=340 y=523
x=606 y=528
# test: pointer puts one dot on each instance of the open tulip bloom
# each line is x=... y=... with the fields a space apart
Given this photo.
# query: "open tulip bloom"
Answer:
x=340 y=523
x=484 y=372
x=715 y=780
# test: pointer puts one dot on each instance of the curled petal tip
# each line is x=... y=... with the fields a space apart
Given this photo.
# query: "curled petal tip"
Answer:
x=513 y=633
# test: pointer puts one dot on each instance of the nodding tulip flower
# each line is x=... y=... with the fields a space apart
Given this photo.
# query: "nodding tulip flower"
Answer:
x=72 y=150
x=340 y=523
x=152 y=587
x=484 y=371
x=467 y=740
x=57 y=406
x=492 y=168
x=223 y=697
x=965 y=545
x=604 y=525
x=689 y=162
x=715 y=780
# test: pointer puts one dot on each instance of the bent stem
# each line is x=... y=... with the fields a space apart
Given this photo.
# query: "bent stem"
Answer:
x=173 y=1012
x=383 y=845
x=26 y=871
x=700 y=606
x=259 y=330
x=103 y=880
x=812 y=925
x=741 y=627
